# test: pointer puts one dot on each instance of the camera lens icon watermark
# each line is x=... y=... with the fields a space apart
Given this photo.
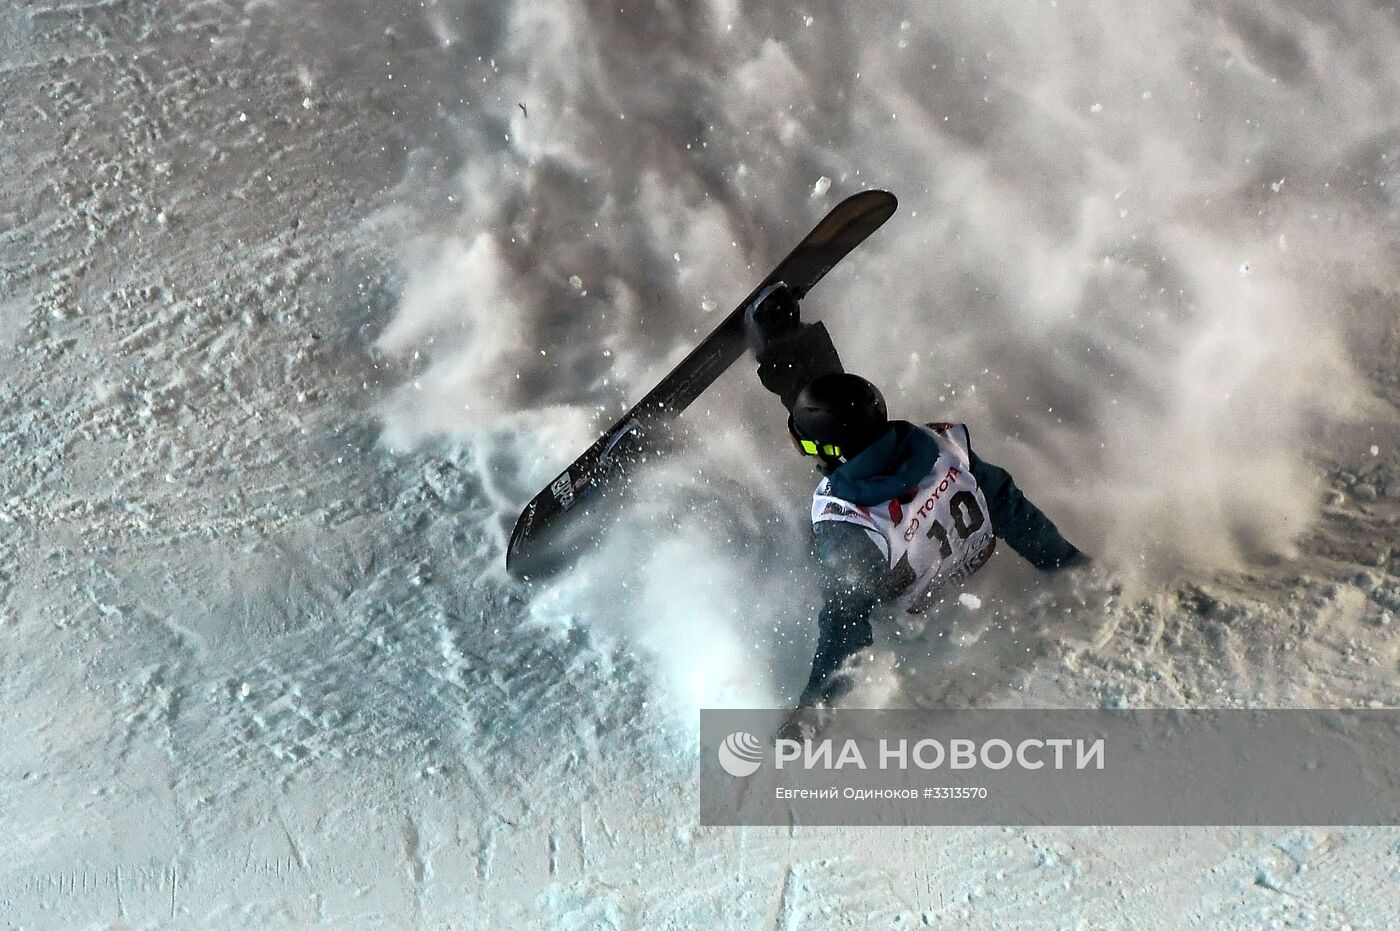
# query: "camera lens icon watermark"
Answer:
x=741 y=754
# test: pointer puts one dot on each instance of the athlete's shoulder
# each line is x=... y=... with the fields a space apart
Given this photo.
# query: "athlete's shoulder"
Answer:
x=826 y=507
x=957 y=432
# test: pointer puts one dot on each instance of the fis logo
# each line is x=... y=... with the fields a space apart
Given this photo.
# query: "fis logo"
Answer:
x=740 y=754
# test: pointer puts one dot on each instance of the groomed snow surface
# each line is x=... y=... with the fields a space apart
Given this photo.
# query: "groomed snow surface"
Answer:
x=300 y=301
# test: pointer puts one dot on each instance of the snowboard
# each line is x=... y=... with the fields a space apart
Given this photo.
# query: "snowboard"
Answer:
x=552 y=527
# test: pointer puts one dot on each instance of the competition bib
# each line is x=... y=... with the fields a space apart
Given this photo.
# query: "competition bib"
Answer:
x=938 y=534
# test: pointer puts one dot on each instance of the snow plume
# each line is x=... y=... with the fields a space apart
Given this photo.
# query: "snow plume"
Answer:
x=705 y=579
x=1128 y=237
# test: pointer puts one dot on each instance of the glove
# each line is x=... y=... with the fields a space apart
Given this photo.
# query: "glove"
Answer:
x=801 y=725
x=1079 y=560
x=773 y=314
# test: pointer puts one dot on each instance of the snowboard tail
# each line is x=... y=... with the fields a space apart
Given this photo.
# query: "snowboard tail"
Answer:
x=549 y=531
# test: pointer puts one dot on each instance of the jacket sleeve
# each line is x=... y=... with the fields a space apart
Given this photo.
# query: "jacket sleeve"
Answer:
x=854 y=579
x=1023 y=526
x=788 y=362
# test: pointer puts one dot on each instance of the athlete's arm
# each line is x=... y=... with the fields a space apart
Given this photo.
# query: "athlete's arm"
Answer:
x=790 y=353
x=789 y=362
x=854 y=579
x=1023 y=526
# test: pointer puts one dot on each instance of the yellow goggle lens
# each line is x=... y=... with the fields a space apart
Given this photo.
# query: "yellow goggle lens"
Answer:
x=812 y=449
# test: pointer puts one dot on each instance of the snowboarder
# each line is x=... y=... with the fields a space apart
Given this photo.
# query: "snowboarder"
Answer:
x=903 y=510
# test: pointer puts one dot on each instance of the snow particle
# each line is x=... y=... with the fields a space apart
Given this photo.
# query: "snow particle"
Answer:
x=821 y=187
x=969 y=601
x=1096 y=108
x=575 y=282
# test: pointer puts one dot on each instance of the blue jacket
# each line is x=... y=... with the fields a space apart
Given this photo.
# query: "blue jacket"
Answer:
x=854 y=574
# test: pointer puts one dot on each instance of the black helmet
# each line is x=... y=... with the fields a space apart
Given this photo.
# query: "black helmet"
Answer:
x=836 y=416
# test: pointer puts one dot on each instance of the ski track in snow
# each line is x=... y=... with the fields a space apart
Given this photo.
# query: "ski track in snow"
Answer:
x=261 y=669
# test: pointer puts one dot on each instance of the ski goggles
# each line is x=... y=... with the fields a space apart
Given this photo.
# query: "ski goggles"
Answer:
x=827 y=451
x=810 y=448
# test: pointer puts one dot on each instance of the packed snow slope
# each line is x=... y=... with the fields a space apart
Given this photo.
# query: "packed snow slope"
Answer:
x=300 y=301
